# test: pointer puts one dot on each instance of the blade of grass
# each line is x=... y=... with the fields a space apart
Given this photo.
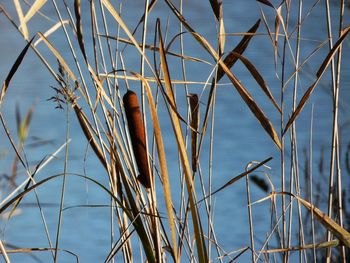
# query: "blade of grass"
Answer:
x=4 y=253
x=319 y=75
x=79 y=27
x=23 y=24
x=13 y=70
x=36 y=6
x=259 y=79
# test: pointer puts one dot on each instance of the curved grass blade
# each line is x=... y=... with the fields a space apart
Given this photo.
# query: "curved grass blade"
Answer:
x=13 y=70
x=319 y=75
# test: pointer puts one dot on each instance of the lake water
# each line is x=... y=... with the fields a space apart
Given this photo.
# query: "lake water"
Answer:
x=238 y=139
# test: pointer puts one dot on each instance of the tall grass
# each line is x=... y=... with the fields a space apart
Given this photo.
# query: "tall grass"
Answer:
x=124 y=108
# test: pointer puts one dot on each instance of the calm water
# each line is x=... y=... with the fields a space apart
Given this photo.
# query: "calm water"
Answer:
x=238 y=136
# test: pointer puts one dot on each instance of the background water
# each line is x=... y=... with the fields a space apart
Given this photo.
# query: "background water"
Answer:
x=238 y=137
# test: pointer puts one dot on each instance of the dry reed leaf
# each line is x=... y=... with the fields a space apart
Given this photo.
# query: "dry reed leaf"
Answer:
x=238 y=177
x=327 y=222
x=215 y=5
x=4 y=253
x=259 y=79
x=278 y=18
x=326 y=244
x=120 y=21
x=79 y=27
x=194 y=107
x=58 y=56
x=163 y=164
x=230 y=59
x=51 y=30
x=23 y=25
x=198 y=232
x=99 y=89
x=266 y=2
x=137 y=136
x=13 y=70
x=259 y=114
x=103 y=76
x=319 y=75
x=36 y=6
x=222 y=34
x=85 y=126
x=153 y=48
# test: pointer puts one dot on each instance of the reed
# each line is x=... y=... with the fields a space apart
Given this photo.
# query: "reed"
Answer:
x=128 y=87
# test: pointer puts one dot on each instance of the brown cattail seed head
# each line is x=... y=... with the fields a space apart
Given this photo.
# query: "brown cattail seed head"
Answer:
x=137 y=136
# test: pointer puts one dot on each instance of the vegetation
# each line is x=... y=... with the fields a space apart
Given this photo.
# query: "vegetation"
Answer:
x=116 y=82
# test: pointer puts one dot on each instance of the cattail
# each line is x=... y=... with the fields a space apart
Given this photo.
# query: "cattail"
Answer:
x=138 y=136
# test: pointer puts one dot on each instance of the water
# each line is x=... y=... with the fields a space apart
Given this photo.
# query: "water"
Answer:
x=238 y=139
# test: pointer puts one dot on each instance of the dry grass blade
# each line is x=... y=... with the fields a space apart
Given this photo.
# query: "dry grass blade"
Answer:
x=278 y=20
x=4 y=253
x=79 y=27
x=163 y=165
x=266 y=2
x=23 y=24
x=327 y=244
x=319 y=75
x=153 y=48
x=150 y=79
x=238 y=177
x=84 y=124
x=259 y=114
x=38 y=4
x=58 y=56
x=216 y=8
x=327 y=222
x=41 y=249
x=51 y=30
x=231 y=59
x=137 y=136
x=259 y=79
x=198 y=232
x=13 y=70
x=194 y=106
